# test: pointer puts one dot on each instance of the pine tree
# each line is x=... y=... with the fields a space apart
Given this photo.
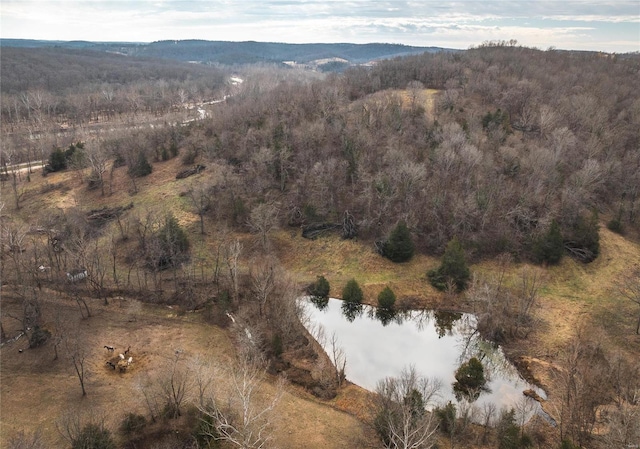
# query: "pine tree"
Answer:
x=453 y=268
x=352 y=292
x=319 y=292
x=584 y=242
x=174 y=243
x=470 y=380
x=549 y=248
x=386 y=299
x=399 y=246
x=320 y=288
x=142 y=167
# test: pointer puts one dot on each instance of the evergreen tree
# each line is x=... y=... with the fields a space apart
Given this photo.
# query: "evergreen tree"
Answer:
x=550 y=247
x=399 y=246
x=386 y=299
x=509 y=436
x=173 y=242
x=60 y=159
x=352 y=292
x=320 y=288
x=57 y=160
x=447 y=417
x=584 y=242
x=319 y=292
x=470 y=379
x=453 y=268
x=141 y=167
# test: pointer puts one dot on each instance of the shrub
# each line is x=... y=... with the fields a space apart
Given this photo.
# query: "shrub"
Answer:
x=320 y=288
x=205 y=433
x=94 y=180
x=567 y=444
x=615 y=225
x=164 y=154
x=224 y=300
x=549 y=248
x=59 y=159
x=93 y=436
x=446 y=417
x=352 y=292
x=189 y=158
x=141 y=166
x=386 y=298
x=132 y=423
x=399 y=246
x=453 y=268
x=38 y=337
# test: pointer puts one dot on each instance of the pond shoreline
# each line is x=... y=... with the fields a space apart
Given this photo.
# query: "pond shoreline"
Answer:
x=433 y=341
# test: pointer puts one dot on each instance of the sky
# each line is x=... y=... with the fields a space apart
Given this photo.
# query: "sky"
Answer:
x=611 y=26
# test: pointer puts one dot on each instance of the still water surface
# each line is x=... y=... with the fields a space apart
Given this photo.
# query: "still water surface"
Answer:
x=436 y=343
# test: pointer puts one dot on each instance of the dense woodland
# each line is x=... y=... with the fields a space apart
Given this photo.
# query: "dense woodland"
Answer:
x=503 y=150
x=513 y=145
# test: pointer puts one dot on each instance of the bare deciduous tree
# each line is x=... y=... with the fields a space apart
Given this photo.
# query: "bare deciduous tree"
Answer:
x=402 y=420
x=97 y=158
x=166 y=392
x=264 y=273
x=339 y=360
x=264 y=219
x=200 y=195
x=241 y=418
x=336 y=354
x=76 y=351
x=232 y=251
x=175 y=384
x=630 y=288
x=18 y=189
x=584 y=379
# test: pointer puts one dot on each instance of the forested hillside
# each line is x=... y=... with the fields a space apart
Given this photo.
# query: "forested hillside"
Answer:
x=60 y=85
x=515 y=139
x=233 y=53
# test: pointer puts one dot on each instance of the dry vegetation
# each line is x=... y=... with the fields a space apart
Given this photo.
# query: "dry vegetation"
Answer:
x=299 y=154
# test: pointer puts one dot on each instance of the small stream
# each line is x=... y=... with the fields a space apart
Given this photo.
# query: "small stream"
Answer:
x=379 y=345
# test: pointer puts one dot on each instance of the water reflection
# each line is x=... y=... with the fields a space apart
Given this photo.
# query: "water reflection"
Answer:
x=444 y=322
x=386 y=315
x=351 y=310
x=320 y=302
x=381 y=343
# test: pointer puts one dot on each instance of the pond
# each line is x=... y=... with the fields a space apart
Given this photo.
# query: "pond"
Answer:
x=379 y=345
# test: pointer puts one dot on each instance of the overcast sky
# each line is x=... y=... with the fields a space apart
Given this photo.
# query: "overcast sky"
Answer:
x=612 y=26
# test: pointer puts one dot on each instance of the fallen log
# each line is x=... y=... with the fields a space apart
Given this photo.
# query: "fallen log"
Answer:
x=315 y=230
x=190 y=171
x=104 y=214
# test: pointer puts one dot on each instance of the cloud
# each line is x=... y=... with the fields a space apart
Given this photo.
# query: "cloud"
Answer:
x=459 y=24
